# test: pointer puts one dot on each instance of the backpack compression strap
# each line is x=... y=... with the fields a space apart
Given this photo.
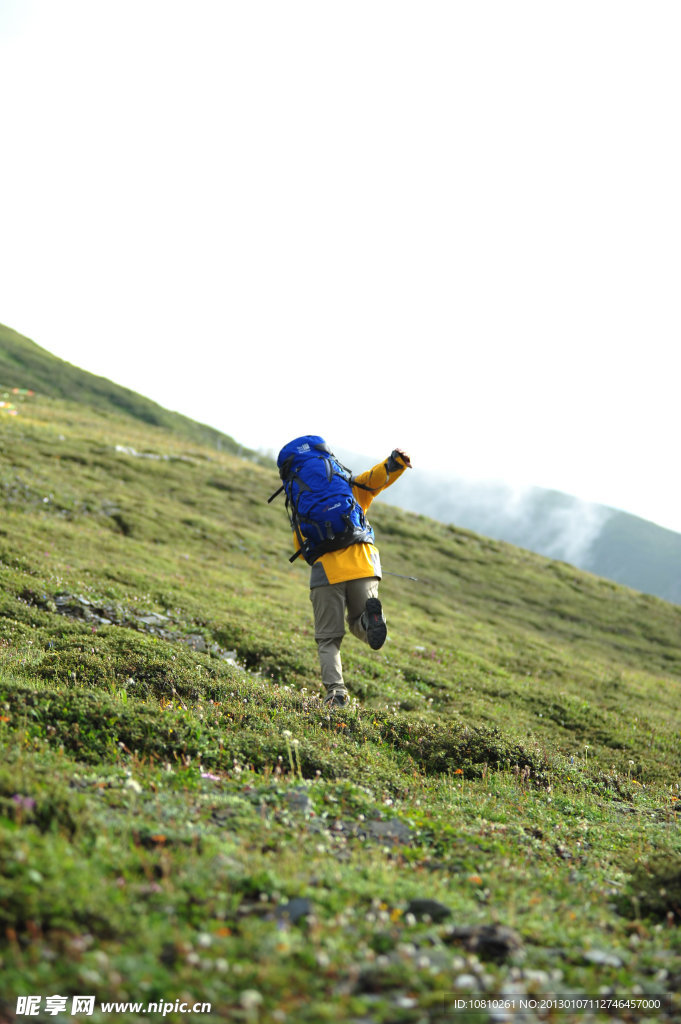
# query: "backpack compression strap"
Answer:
x=343 y=540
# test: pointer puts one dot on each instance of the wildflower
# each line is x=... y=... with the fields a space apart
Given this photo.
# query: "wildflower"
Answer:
x=26 y=802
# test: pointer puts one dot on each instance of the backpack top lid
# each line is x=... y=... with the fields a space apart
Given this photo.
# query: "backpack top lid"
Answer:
x=308 y=444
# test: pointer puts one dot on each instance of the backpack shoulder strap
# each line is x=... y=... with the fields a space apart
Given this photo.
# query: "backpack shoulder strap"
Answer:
x=352 y=480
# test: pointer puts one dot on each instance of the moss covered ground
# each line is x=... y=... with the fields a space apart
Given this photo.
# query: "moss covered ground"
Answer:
x=495 y=814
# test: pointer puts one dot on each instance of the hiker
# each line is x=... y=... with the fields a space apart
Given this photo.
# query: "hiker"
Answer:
x=346 y=568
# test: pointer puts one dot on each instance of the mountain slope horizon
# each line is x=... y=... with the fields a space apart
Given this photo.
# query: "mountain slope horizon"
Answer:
x=24 y=364
x=606 y=541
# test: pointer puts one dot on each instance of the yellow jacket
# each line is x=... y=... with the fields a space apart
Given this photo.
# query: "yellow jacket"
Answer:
x=358 y=560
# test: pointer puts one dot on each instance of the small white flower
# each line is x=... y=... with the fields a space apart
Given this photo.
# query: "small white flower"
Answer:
x=250 y=998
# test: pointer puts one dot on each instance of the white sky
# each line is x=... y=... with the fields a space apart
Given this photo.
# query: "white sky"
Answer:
x=452 y=227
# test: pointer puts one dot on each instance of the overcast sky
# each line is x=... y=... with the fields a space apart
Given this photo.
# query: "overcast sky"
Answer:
x=452 y=227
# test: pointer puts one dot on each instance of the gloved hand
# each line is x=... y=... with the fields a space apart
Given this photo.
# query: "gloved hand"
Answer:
x=406 y=461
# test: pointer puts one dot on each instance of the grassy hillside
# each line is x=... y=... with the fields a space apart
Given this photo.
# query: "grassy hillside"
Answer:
x=496 y=814
x=645 y=555
x=25 y=365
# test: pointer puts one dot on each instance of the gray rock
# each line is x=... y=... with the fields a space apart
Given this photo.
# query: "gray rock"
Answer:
x=602 y=957
x=488 y=941
x=196 y=641
x=153 y=619
x=298 y=800
x=295 y=909
x=421 y=908
x=393 y=831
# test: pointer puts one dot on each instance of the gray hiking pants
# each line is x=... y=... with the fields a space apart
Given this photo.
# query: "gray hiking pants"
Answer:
x=330 y=603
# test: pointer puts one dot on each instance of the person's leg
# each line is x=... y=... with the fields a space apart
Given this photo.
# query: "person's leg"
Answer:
x=328 y=603
x=365 y=615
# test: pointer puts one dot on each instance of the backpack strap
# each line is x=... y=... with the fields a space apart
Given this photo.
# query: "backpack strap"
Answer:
x=352 y=480
x=344 y=540
x=292 y=514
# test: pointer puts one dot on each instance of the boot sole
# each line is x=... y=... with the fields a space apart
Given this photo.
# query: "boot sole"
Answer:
x=376 y=628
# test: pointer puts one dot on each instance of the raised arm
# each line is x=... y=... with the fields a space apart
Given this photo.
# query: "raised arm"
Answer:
x=367 y=485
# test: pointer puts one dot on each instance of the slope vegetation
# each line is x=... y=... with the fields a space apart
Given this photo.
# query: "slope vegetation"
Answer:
x=495 y=814
x=27 y=366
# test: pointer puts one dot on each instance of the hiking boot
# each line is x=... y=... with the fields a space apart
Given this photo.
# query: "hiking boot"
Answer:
x=374 y=623
x=336 y=699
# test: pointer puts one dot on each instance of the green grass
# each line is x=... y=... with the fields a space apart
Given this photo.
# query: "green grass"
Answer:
x=28 y=367
x=513 y=753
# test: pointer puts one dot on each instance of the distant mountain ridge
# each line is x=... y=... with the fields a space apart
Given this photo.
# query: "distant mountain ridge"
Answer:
x=605 y=541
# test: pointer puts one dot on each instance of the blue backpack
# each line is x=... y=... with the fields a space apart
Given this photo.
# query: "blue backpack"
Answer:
x=319 y=500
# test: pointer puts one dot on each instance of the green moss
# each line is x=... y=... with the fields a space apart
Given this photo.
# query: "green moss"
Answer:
x=170 y=778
